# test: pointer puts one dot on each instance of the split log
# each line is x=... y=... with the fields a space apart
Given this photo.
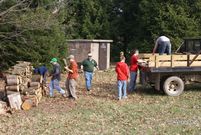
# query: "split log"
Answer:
x=20 y=79
x=22 y=87
x=13 y=88
x=27 y=104
x=11 y=82
x=36 y=78
x=34 y=84
x=39 y=96
x=15 y=101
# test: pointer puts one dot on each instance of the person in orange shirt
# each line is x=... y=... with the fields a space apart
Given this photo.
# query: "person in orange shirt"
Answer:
x=71 y=77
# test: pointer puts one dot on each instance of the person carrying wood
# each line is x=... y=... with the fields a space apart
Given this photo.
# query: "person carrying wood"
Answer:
x=88 y=67
x=162 y=46
x=122 y=71
x=42 y=70
x=56 y=77
x=72 y=76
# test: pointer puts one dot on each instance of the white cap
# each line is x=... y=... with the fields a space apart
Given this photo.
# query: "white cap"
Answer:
x=89 y=54
x=70 y=57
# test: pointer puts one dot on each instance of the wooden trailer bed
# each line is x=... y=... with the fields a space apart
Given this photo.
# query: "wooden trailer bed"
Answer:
x=171 y=61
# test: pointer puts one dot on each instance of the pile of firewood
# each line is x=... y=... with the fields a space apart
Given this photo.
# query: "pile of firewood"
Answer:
x=32 y=94
x=19 y=76
x=19 y=79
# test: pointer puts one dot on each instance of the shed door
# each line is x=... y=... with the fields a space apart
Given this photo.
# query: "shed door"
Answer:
x=103 y=56
x=95 y=52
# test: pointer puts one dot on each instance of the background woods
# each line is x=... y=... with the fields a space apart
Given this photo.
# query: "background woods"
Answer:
x=36 y=30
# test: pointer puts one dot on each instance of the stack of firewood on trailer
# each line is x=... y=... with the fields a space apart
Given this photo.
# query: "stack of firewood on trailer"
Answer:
x=23 y=89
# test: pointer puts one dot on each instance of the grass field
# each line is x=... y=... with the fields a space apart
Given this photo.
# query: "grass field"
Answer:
x=144 y=112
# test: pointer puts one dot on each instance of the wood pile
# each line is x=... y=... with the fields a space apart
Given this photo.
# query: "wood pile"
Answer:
x=19 y=79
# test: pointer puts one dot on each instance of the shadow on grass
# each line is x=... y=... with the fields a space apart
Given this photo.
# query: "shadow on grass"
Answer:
x=148 y=90
x=109 y=91
x=193 y=87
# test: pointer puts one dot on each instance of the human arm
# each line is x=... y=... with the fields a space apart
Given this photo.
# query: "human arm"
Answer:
x=69 y=70
x=96 y=65
x=155 y=47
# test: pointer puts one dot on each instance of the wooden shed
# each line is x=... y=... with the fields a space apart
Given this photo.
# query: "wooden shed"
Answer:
x=100 y=50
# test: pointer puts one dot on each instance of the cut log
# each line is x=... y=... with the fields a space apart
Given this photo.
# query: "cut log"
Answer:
x=36 y=78
x=34 y=84
x=11 y=82
x=15 y=101
x=8 y=92
x=27 y=104
x=3 y=107
x=11 y=76
x=13 y=88
x=30 y=91
x=33 y=98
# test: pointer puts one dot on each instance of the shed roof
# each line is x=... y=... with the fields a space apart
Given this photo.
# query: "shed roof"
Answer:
x=91 y=40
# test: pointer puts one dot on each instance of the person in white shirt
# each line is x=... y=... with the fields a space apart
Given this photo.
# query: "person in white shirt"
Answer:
x=162 y=46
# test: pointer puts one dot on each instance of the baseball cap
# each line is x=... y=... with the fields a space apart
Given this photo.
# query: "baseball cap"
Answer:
x=53 y=60
x=70 y=57
x=90 y=54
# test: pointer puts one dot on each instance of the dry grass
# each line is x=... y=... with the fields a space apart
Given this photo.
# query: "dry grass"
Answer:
x=145 y=112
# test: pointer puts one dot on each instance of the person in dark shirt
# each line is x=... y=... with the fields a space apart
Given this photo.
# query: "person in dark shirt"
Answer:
x=56 y=77
x=42 y=70
x=88 y=67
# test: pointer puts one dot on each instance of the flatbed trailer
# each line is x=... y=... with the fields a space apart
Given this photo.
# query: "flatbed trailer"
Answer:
x=170 y=73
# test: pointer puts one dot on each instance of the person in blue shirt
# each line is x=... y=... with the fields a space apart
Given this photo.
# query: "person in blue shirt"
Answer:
x=42 y=70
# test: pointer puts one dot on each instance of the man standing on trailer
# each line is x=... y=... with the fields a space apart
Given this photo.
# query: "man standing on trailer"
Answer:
x=162 y=46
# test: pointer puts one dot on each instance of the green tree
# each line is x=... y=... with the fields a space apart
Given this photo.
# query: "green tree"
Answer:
x=30 y=35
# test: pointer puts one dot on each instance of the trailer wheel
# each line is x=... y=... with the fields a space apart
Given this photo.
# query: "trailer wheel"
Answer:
x=173 y=86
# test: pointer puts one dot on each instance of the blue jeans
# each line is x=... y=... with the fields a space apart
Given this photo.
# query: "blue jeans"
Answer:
x=121 y=86
x=54 y=84
x=88 y=79
x=133 y=77
x=164 y=47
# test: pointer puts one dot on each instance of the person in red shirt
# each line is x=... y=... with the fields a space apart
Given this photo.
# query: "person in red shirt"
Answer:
x=133 y=70
x=71 y=77
x=122 y=71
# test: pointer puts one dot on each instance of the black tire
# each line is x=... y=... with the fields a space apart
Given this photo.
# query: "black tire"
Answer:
x=173 y=86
